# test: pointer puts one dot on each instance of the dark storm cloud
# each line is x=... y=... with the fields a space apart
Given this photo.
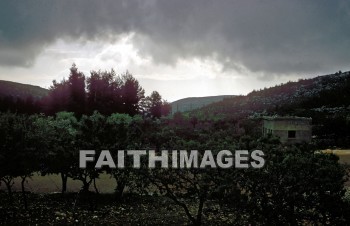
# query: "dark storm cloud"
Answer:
x=269 y=36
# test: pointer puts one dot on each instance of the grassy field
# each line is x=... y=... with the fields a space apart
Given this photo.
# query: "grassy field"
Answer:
x=344 y=155
x=52 y=183
x=106 y=184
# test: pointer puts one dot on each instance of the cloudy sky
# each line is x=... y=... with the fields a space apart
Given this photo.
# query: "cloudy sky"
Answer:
x=180 y=48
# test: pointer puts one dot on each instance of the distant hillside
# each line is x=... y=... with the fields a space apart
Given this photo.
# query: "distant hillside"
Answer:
x=192 y=103
x=328 y=91
x=19 y=90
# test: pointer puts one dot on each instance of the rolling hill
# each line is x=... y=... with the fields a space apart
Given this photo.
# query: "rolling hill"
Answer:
x=19 y=90
x=192 y=103
x=328 y=92
x=323 y=93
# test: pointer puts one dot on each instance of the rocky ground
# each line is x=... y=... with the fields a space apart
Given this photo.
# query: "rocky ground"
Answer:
x=70 y=209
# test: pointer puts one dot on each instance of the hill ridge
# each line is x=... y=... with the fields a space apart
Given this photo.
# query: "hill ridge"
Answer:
x=21 y=90
x=192 y=103
x=327 y=90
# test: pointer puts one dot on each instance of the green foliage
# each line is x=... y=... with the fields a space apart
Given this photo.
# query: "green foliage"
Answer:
x=295 y=186
x=153 y=105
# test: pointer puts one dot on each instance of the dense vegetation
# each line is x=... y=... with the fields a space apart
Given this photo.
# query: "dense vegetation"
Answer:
x=326 y=99
x=103 y=91
x=328 y=91
x=297 y=185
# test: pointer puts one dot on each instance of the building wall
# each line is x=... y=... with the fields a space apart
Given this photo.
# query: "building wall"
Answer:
x=281 y=127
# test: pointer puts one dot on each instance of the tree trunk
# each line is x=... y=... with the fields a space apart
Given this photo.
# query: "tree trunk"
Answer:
x=24 y=196
x=96 y=190
x=183 y=205
x=86 y=186
x=120 y=189
x=8 y=182
x=9 y=189
x=200 y=209
x=64 y=178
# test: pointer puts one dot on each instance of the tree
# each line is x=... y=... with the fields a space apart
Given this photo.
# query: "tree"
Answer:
x=77 y=95
x=19 y=156
x=178 y=118
x=132 y=93
x=151 y=105
x=10 y=129
x=156 y=104
x=296 y=185
x=58 y=135
x=68 y=95
x=177 y=184
x=194 y=121
x=58 y=97
x=104 y=92
x=166 y=108
x=93 y=134
x=119 y=125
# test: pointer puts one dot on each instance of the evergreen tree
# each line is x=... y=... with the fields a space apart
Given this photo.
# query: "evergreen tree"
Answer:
x=77 y=95
x=104 y=92
x=132 y=93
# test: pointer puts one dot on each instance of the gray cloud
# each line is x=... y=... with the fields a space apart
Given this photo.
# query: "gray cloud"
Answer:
x=269 y=37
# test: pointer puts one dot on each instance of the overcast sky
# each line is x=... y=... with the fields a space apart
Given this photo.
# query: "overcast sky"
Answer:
x=180 y=48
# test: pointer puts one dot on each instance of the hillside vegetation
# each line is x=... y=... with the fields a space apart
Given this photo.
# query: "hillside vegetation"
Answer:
x=328 y=92
x=20 y=90
x=192 y=103
x=104 y=111
x=326 y=99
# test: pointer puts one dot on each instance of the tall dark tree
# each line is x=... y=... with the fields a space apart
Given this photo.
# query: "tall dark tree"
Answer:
x=132 y=93
x=156 y=104
x=104 y=92
x=58 y=97
x=153 y=106
x=166 y=108
x=77 y=95
x=67 y=95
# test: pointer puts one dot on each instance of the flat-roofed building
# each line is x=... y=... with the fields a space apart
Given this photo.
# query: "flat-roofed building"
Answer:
x=289 y=129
